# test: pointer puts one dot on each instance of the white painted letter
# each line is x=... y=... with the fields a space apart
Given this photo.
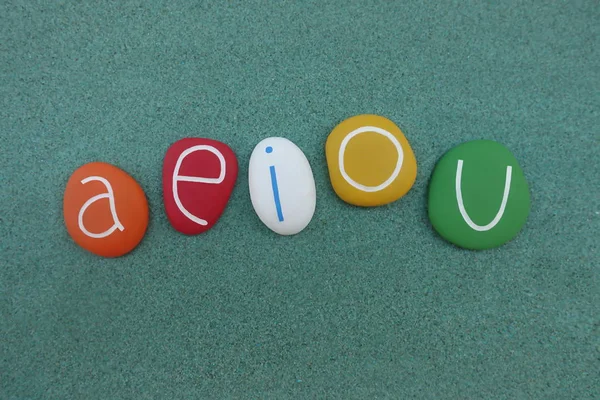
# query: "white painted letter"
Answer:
x=394 y=175
x=461 y=205
x=111 y=201
x=183 y=178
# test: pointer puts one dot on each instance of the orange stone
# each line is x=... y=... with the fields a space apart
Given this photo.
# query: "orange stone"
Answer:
x=105 y=210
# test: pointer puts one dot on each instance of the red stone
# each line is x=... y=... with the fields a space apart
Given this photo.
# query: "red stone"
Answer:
x=201 y=187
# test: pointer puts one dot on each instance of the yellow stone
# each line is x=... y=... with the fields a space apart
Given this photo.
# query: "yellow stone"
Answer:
x=370 y=161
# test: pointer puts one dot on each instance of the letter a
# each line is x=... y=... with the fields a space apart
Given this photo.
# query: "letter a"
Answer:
x=182 y=178
x=111 y=201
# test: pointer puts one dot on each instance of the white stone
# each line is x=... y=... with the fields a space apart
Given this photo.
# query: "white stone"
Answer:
x=282 y=186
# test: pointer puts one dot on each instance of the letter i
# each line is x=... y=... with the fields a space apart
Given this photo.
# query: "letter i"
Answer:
x=269 y=150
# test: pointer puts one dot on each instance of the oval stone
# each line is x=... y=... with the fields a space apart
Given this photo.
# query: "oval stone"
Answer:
x=198 y=178
x=478 y=195
x=105 y=210
x=370 y=161
x=282 y=186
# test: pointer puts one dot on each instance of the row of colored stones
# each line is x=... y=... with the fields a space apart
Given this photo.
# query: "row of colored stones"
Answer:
x=478 y=195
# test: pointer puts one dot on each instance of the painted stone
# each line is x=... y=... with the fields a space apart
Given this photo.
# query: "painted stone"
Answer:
x=282 y=186
x=105 y=210
x=198 y=178
x=370 y=161
x=478 y=195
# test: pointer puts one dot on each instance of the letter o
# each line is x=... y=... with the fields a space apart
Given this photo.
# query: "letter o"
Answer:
x=392 y=177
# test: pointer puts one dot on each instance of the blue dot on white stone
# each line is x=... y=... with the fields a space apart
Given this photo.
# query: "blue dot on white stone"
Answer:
x=269 y=149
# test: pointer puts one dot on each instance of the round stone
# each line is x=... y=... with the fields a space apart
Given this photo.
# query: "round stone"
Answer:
x=370 y=161
x=199 y=175
x=282 y=186
x=478 y=195
x=105 y=210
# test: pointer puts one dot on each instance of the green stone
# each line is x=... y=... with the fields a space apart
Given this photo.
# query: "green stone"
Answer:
x=478 y=195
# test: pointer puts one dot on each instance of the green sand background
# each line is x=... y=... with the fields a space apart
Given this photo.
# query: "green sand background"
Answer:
x=365 y=303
